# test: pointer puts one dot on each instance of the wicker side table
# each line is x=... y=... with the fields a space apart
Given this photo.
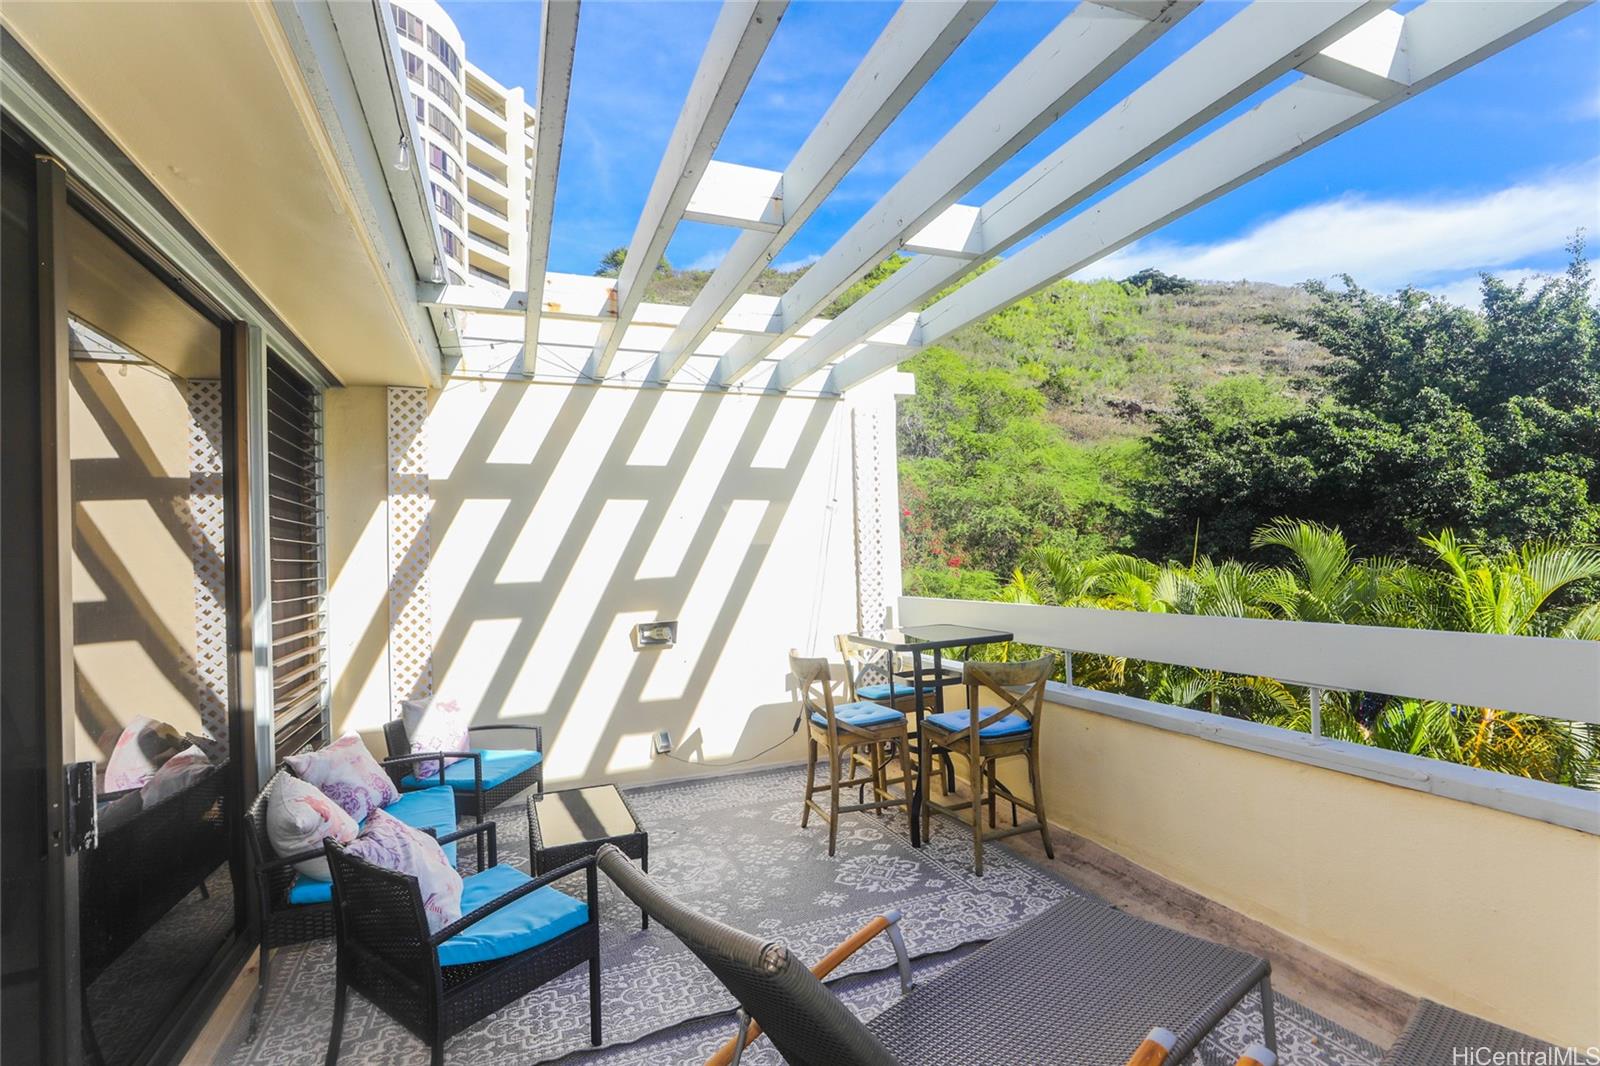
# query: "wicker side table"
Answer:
x=575 y=823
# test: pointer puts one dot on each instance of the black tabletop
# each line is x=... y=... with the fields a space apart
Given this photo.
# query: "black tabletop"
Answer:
x=583 y=814
x=930 y=637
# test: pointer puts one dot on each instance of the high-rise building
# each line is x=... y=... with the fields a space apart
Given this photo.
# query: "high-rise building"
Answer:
x=477 y=145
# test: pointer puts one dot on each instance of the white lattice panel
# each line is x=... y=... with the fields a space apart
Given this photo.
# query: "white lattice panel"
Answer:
x=410 y=503
x=205 y=520
x=871 y=427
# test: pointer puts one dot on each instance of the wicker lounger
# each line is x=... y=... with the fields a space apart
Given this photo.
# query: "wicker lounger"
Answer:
x=1079 y=984
x=1436 y=1034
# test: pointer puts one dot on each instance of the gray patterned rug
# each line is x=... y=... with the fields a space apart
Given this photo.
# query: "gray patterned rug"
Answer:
x=730 y=847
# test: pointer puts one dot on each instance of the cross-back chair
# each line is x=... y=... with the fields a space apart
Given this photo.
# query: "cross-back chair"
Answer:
x=870 y=677
x=845 y=729
x=990 y=733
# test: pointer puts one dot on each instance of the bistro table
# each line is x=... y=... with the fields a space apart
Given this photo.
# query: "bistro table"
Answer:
x=918 y=640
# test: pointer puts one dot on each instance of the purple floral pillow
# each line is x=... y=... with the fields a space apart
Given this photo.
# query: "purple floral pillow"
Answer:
x=436 y=725
x=347 y=774
x=388 y=842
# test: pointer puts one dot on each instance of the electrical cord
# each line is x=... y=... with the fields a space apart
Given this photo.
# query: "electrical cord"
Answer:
x=748 y=758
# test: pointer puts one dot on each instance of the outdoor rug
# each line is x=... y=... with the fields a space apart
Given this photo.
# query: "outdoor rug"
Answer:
x=729 y=847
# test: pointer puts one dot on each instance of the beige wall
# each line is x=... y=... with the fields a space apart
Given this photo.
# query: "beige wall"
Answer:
x=564 y=516
x=1485 y=911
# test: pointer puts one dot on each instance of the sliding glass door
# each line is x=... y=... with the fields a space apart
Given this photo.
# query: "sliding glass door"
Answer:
x=123 y=771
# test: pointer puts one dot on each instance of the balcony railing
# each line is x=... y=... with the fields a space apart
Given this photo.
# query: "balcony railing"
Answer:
x=484 y=275
x=1528 y=675
x=486 y=139
x=491 y=175
x=478 y=238
x=487 y=208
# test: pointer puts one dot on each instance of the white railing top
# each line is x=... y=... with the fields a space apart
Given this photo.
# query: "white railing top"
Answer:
x=1532 y=675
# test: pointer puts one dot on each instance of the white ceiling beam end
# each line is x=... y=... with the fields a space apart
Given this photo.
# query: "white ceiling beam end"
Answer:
x=558 y=47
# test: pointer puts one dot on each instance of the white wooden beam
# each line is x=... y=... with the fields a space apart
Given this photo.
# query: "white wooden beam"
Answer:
x=956 y=231
x=740 y=36
x=917 y=40
x=1441 y=38
x=558 y=46
x=734 y=195
x=1084 y=49
x=1250 y=50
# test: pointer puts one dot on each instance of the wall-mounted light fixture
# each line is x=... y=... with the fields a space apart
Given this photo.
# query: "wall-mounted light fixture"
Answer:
x=654 y=635
x=402 y=155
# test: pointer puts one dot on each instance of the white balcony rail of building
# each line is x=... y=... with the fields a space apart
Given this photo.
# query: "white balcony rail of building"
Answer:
x=1531 y=675
x=486 y=208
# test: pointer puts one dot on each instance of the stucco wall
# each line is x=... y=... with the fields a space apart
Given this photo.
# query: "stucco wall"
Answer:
x=564 y=516
x=1488 y=912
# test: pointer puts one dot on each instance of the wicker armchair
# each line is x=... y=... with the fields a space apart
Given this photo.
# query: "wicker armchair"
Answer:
x=281 y=922
x=486 y=787
x=1080 y=983
x=386 y=952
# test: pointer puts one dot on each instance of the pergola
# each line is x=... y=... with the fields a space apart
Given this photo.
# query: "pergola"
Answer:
x=1350 y=60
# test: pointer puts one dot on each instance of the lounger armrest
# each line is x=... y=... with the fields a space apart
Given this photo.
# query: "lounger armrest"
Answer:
x=1155 y=1049
x=733 y=1050
x=538 y=732
x=517 y=893
x=1257 y=1055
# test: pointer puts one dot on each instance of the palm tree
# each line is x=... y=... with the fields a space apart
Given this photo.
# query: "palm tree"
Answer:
x=1325 y=582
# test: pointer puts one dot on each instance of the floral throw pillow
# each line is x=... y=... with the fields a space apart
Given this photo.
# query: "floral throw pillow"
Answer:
x=436 y=725
x=388 y=842
x=176 y=774
x=301 y=817
x=348 y=774
x=141 y=749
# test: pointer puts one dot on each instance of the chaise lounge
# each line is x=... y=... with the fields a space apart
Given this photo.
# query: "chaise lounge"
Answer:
x=1080 y=983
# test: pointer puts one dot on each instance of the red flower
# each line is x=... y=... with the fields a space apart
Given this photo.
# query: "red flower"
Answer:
x=954 y=560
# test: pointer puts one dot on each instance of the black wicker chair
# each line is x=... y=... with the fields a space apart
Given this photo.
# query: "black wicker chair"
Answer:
x=1080 y=983
x=282 y=923
x=472 y=797
x=1437 y=1034
x=386 y=952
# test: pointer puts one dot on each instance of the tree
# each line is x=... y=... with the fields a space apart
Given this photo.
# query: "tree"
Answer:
x=1159 y=283
x=611 y=264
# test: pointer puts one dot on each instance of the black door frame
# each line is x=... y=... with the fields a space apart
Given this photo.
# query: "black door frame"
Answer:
x=56 y=195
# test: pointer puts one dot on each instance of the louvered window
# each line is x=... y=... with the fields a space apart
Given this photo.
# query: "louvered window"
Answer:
x=295 y=534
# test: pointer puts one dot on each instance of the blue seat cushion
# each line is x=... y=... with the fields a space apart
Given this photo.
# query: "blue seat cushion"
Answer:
x=1012 y=725
x=430 y=808
x=499 y=766
x=882 y=692
x=861 y=714
x=540 y=916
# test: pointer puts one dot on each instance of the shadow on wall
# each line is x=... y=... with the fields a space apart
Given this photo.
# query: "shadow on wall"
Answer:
x=564 y=516
x=134 y=567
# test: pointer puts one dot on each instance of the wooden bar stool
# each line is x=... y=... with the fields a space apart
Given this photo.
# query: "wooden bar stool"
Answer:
x=997 y=733
x=845 y=729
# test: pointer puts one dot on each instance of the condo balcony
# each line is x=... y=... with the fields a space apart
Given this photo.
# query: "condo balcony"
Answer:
x=399 y=667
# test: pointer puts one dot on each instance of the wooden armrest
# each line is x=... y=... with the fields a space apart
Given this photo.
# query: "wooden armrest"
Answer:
x=1155 y=1049
x=889 y=923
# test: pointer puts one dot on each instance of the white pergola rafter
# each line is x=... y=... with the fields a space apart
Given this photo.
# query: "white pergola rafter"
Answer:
x=1434 y=42
x=558 y=46
x=1093 y=42
x=917 y=40
x=1246 y=53
x=740 y=37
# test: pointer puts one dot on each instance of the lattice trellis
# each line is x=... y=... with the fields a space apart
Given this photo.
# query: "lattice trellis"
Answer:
x=869 y=429
x=410 y=548
x=205 y=520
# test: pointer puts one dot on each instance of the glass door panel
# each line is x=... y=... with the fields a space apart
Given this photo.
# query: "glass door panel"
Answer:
x=150 y=645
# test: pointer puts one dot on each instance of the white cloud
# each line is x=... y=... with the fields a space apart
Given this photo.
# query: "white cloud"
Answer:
x=1385 y=244
x=709 y=261
x=796 y=264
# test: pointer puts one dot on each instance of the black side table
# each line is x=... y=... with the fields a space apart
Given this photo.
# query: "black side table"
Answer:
x=573 y=824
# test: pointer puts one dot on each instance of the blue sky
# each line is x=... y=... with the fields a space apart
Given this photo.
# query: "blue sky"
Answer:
x=1494 y=169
